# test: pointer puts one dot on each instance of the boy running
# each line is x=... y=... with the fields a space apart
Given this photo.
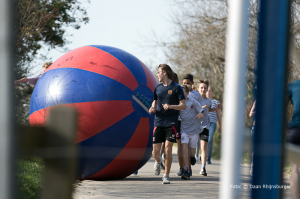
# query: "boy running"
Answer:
x=189 y=80
x=190 y=129
x=206 y=105
x=168 y=100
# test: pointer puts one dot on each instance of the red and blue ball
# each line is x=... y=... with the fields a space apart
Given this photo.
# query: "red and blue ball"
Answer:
x=112 y=91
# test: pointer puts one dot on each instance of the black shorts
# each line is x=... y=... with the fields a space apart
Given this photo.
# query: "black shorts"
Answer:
x=161 y=134
x=293 y=136
x=204 y=135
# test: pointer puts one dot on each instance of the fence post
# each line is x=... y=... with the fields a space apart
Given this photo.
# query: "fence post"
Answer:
x=272 y=57
x=7 y=178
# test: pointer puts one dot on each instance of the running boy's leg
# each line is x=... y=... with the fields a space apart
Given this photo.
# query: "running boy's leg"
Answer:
x=192 y=151
x=158 y=138
x=204 y=151
x=156 y=151
x=170 y=138
x=162 y=155
x=193 y=139
x=198 y=148
x=186 y=174
x=204 y=139
x=179 y=152
x=156 y=155
x=212 y=129
x=184 y=142
x=180 y=156
x=168 y=152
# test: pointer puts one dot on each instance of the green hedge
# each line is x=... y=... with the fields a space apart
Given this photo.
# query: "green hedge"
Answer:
x=30 y=177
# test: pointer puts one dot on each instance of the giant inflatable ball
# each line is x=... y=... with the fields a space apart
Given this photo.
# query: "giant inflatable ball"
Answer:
x=112 y=91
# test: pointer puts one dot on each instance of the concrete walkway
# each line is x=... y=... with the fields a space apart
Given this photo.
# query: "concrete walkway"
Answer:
x=147 y=185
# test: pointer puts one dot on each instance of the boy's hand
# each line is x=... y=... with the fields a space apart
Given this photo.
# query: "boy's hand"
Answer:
x=200 y=115
x=218 y=106
x=152 y=110
x=205 y=106
x=166 y=106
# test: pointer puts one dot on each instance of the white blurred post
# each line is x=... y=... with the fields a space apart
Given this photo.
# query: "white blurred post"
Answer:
x=6 y=107
x=234 y=93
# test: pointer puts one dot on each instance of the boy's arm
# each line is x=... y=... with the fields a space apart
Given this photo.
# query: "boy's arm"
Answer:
x=198 y=106
x=199 y=109
x=218 y=107
x=21 y=80
x=179 y=107
x=153 y=107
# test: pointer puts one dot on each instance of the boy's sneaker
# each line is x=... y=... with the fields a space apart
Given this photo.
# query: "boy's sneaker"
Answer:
x=203 y=172
x=208 y=161
x=186 y=175
x=181 y=171
x=193 y=160
x=191 y=172
x=156 y=168
x=166 y=179
x=162 y=166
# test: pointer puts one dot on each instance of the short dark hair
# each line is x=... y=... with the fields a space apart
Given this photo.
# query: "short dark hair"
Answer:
x=168 y=70
x=188 y=76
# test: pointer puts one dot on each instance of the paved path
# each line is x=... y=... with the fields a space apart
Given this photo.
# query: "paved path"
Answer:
x=147 y=185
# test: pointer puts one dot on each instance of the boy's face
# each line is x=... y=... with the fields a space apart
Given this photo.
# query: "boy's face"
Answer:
x=209 y=93
x=160 y=74
x=44 y=69
x=202 y=89
x=187 y=81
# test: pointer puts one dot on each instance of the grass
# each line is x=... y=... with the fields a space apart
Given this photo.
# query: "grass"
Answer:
x=247 y=159
x=287 y=169
x=30 y=177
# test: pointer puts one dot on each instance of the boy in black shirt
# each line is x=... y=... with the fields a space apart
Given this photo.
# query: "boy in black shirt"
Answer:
x=168 y=100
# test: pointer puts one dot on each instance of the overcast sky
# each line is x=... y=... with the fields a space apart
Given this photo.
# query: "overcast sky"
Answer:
x=126 y=24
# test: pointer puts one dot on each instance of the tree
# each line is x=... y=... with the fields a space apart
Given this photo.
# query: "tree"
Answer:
x=199 y=48
x=41 y=23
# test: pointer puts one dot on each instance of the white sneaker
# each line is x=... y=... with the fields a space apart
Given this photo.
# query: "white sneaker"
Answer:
x=203 y=172
x=166 y=179
x=156 y=168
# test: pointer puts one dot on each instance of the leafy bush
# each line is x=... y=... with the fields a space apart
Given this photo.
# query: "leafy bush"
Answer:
x=30 y=177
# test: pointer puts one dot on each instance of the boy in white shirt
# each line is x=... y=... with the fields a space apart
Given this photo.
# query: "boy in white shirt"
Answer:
x=189 y=80
x=190 y=129
x=206 y=105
